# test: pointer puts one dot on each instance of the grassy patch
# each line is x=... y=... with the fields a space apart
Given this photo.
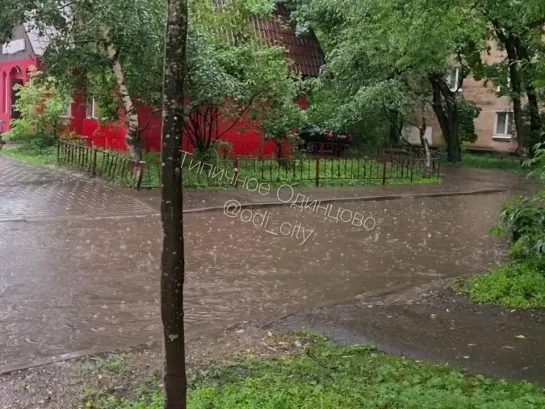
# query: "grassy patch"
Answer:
x=520 y=286
x=491 y=161
x=43 y=157
x=293 y=172
x=330 y=376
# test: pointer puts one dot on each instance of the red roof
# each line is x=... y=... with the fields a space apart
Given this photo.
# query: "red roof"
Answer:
x=304 y=49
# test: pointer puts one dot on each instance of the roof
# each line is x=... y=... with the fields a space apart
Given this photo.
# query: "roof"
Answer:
x=304 y=49
x=39 y=40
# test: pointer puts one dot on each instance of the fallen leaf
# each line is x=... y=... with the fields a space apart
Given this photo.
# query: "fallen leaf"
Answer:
x=520 y=337
x=466 y=357
x=433 y=316
x=508 y=347
x=471 y=345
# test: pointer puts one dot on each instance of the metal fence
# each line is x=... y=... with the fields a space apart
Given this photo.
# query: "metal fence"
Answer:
x=226 y=173
x=112 y=166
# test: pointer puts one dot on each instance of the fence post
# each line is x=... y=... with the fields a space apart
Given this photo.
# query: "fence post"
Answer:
x=58 y=152
x=94 y=163
x=235 y=171
x=317 y=172
x=384 y=170
x=411 y=164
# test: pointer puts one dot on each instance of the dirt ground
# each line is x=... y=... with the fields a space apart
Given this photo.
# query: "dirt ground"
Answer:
x=77 y=383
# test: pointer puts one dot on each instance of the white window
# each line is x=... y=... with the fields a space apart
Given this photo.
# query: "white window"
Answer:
x=92 y=109
x=453 y=79
x=504 y=125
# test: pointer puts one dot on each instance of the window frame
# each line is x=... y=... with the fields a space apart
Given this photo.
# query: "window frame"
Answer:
x=508 y=122
x=91 y=103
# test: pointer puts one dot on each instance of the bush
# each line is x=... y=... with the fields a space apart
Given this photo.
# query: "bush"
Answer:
x=523 y=219
x=41 y=104
x=516 y=286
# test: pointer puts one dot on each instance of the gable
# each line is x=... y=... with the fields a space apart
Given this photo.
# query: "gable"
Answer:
x=18 y=48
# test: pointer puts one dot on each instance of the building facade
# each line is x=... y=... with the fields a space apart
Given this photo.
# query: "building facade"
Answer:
x=494 y=126
x=22 y=55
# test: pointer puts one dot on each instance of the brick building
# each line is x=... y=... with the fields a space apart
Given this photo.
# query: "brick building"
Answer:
x=494 y=126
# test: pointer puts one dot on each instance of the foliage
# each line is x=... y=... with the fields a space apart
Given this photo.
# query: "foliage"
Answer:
x=523 y=219
x=468 y=111
x=519 y=286
x=522 y=283
x=331 y=376
x=228 y=81
x=41 y=103
x=382 y=57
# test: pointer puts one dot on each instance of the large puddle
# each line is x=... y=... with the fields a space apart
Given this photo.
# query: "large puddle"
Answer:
x=75 y=286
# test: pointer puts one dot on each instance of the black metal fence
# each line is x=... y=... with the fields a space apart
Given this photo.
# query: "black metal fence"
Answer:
x=224 y=173
x=112 y=166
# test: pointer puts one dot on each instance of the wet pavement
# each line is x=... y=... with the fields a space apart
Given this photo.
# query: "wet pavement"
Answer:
x=434 y=324
x=80 y=271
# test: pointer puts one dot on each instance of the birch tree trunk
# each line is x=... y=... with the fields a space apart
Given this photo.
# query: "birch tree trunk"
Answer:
x=132 y=137
x=172 y=260
x=426 y=147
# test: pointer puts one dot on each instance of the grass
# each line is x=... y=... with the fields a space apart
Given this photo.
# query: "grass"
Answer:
x=295 y=172
x=330 y=376
x=36 y=157
x=518 y=285
x=494 y=161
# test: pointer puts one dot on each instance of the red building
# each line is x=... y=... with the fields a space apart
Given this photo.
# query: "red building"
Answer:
x=20 y=56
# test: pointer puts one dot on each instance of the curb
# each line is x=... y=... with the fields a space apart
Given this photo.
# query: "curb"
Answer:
x=356 y=199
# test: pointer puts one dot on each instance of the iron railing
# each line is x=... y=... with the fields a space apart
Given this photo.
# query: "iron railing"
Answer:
x=112 y=166
x=224 y=173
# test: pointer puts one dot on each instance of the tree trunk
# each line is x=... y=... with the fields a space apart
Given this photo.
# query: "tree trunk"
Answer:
x=509 y=42
x=525 y=54
x=132 y=137
x=172 y=259
x=425 y=146
x=445 y=107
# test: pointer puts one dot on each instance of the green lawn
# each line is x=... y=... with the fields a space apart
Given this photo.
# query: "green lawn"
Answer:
x=494 y=161
x=329 y=376
x=44 y=157
x=517 y=285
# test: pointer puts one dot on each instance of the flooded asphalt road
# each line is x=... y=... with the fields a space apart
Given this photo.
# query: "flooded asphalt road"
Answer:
x=70 y=286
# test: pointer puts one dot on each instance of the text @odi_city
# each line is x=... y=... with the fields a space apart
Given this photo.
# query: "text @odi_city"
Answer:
x=285 y=194
x=263 y=219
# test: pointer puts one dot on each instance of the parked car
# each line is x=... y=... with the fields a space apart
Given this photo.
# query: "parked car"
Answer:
x=319 y=140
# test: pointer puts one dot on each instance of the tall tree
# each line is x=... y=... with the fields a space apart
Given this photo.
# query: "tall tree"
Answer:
x=172 y=260
x=386 y=57
x=517 y=29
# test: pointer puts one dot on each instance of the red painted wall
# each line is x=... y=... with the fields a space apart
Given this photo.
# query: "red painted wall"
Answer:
x=16 y=69
x=244 y=138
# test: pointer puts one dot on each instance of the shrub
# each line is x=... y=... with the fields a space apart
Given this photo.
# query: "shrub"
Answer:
x=41 y=104
x=516 y=286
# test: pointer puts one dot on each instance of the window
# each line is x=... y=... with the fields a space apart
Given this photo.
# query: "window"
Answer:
x=92 y=109
x=453 y=79
x=504 y=125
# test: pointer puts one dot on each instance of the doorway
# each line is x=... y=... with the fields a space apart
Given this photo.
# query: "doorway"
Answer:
x=15 y=114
